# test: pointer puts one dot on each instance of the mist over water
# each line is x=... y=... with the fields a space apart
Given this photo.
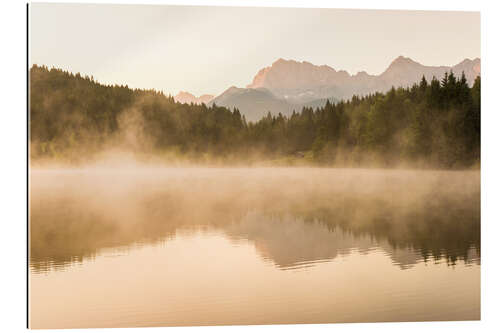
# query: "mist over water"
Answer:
x=286 y=220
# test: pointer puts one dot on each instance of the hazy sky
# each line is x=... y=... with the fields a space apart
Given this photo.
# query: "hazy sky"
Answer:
x=205 y=50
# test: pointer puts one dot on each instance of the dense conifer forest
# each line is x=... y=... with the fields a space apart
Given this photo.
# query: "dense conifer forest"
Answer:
x=435 y=123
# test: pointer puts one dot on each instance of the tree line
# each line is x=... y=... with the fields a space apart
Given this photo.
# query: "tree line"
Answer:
x=433 y=123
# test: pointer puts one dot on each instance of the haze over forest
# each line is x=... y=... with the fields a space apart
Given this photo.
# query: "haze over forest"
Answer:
x=319 y=88
x=410 y=115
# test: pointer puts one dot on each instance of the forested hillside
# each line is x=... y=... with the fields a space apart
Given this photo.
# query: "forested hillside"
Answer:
x=432 y=124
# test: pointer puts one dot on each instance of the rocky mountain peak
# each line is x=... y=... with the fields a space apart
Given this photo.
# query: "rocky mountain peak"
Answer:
x=187 y=97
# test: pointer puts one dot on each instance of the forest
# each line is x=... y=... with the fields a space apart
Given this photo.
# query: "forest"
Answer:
x=432 y=124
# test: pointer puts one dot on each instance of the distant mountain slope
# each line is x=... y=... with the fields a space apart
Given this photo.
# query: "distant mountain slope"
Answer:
x=252 y=103
x=256 y=103
x=185 y=97
x=300 y=82
x=290 y=85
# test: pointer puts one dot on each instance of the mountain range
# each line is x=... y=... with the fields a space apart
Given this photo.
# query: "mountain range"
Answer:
x=289 y=85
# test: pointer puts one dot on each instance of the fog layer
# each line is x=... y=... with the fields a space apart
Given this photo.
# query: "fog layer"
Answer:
x=76 y=212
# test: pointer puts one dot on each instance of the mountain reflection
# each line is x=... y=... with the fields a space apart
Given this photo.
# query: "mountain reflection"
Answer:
x=292 y=243
x=294 y=217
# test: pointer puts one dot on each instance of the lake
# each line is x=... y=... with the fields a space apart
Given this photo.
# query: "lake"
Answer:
x=150 y=246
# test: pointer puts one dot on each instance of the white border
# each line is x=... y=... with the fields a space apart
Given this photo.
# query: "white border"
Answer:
x=13 y=152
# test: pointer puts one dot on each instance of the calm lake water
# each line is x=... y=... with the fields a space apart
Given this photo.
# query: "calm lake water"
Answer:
x=122 y=247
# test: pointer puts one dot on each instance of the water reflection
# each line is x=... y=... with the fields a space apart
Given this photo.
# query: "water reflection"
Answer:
x=295 y=218
x=292 y=243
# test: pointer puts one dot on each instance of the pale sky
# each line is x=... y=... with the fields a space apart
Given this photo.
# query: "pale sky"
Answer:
x=205 y=50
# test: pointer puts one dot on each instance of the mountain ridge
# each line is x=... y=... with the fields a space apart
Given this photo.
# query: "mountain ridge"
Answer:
x=289 y=85
x=290 y=78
